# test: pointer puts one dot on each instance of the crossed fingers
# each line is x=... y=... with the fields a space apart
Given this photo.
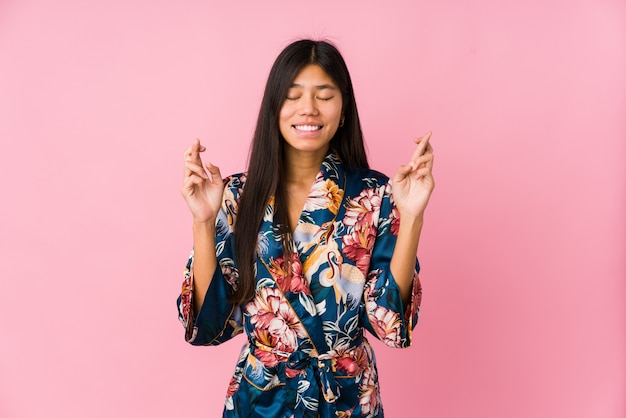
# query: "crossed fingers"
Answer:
x=193 y=162
x=421 y=161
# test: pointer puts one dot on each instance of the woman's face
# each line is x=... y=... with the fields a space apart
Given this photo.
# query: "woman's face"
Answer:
x=310 y=114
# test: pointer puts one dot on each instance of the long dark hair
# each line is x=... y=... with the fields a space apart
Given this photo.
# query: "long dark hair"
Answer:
x=267 y=158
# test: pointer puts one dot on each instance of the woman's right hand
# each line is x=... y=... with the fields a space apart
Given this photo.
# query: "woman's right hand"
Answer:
x=201 y=190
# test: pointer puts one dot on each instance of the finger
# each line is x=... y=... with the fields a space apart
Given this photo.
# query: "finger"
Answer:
x=422 y=143
x=196 y=148
x=431 y=161
x=190 y=184
x=423 y=160
x=413 y=167
x=187 y=153
x=423 y=172
x=186 y=159
x=191 y=168
x=197 y=180
x=403 y=171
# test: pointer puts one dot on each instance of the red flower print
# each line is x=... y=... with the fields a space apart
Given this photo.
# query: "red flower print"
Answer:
x=417 y=294
x=395 y=221
x=268 y=358
x=233 y=387
x=357 y=247
x=295 y=282
x=353 y=361
x=231 y=275
x=291 y=373
x=185 y=299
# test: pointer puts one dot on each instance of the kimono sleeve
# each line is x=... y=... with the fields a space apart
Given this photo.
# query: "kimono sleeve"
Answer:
x=217 y=320
x=382 y=312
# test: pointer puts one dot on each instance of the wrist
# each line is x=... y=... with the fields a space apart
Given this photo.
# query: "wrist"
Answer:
x=411 y=219
x=207 y=224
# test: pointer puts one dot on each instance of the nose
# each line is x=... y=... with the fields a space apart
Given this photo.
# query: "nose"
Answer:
x=307 y=105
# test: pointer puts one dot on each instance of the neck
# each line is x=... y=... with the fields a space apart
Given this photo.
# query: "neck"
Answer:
x=302 y=167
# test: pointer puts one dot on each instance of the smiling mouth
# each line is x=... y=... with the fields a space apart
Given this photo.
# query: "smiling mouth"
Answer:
x=307 y=128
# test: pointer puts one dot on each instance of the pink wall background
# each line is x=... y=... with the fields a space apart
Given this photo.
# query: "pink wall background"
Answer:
x=523 y=251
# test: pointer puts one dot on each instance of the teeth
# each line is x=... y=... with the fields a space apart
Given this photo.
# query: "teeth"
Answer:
x=307 y=127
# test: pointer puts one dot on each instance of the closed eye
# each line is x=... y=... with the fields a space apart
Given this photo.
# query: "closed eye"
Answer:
x=324 y=99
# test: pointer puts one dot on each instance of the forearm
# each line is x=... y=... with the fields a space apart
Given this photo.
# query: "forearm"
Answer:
x=403 y=259
x=204 y=262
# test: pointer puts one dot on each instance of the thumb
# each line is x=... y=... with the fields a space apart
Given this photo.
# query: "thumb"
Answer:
x=214 y=173
x=403 y=171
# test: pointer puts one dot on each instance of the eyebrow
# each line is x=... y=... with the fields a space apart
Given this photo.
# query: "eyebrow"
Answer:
x=320 y=87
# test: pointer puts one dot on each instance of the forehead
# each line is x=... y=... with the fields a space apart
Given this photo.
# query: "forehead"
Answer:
x=313 y=76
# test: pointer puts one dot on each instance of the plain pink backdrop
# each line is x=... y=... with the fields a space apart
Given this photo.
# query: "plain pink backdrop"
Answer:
x=522 y=253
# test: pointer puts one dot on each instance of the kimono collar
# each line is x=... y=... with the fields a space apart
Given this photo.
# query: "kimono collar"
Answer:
x=321 y=206
x=319 y=212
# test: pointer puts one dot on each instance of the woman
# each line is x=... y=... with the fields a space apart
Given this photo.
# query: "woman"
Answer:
x=306 y=249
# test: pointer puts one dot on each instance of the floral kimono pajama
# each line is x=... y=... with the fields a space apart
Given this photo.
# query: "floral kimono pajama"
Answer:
x=306 y=354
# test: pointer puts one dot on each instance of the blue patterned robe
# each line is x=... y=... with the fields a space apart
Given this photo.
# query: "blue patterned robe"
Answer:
x=306 y=354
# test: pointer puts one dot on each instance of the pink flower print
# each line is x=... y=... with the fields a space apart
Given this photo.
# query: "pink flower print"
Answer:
x=362 y=209
x=369 y=397
x=275 y=323
x=386 y=323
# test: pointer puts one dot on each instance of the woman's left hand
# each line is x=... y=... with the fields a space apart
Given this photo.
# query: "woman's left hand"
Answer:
x=413 y=183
